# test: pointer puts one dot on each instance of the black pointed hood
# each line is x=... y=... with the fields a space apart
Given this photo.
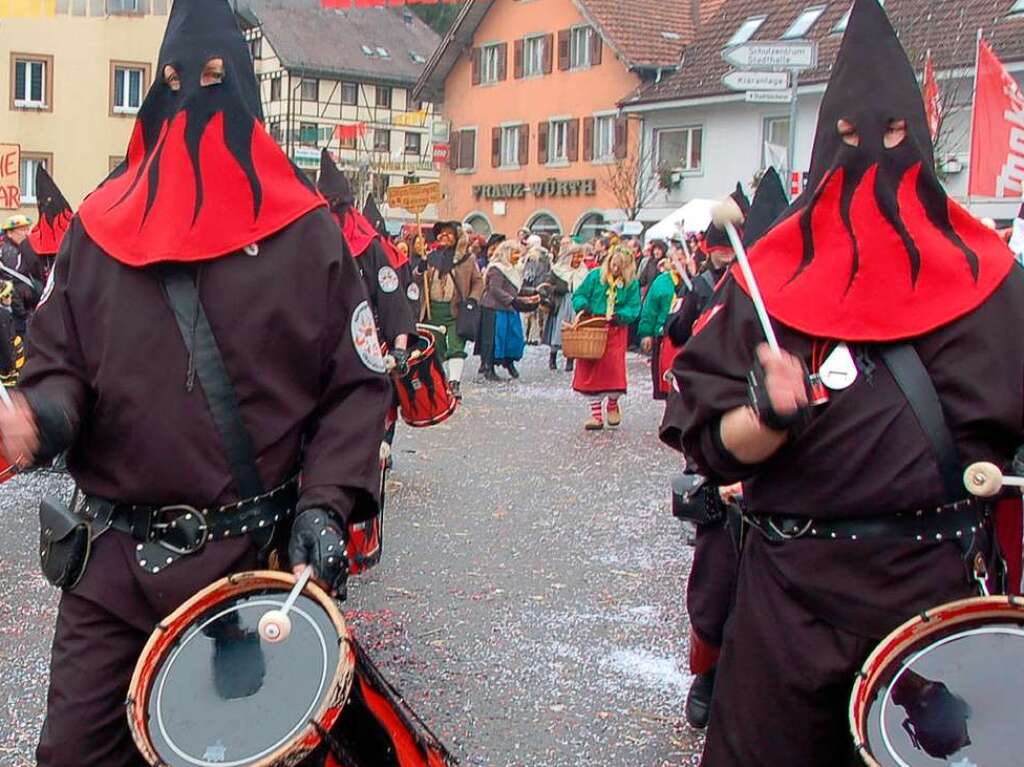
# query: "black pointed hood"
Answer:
x=874 y=250
x=333 y=184
x=374 y=216
x=54 y=215
x=741 y=199
x=716 y=238
x=769 y=203
x=202 y=178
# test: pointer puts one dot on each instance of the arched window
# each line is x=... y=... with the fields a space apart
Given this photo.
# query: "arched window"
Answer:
x=480 y=224
x=590 y=226
x=544 y=223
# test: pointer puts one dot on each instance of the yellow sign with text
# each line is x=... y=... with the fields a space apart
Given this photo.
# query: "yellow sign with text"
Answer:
x=10 y=176
x=415 y=197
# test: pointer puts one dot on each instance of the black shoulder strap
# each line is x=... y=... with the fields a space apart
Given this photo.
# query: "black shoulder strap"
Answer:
x=906 y=367
x=183 y=298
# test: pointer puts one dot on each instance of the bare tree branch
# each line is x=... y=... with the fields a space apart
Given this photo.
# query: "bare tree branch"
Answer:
x=632 y=181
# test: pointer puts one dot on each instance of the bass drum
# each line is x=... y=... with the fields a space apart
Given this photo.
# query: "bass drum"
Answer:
x=208 y=691
x=944 y=689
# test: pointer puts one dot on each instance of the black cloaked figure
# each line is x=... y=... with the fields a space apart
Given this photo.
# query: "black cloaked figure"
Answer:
x=202 y=177
x=333 y=184
x=874 y=228
x=769 y=203
x=372 y=213
x=55 y=216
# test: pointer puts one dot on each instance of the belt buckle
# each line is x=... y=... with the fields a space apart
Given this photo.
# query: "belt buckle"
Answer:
x=189 y=522
x=789 y=536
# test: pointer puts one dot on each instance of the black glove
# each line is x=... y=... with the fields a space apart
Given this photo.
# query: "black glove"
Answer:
x=762 y=403
x=318 y=539
x=401 y=358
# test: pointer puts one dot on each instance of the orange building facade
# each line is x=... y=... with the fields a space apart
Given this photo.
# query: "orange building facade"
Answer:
x=530 y=96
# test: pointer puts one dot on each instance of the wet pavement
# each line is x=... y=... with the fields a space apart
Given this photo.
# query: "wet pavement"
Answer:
x=530 y=601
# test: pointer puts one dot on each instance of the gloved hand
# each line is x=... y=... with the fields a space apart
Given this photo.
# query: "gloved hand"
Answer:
x=318 y=539
x=401 y=357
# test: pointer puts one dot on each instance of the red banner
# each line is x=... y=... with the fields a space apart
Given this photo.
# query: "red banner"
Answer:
x=352 y=131
x=997 y=130
x=932 y=104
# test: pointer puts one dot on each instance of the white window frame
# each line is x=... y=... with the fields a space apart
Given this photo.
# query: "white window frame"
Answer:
x=844 y=21
x=123 y=73
x=303 y=82
x=381 y=89
x=25 y=100
x=355 y=88
x=746 y=30
x=579 y=57
x=533 y=61
x=803 y=23
x=605 y=118
x=1017 y=7
x=490 y=64
x=28 y=166
x=766 y=122
x=558 y=125
x=122 y=6
x=419 y=147
x=510 y=133
x=685 y=162
x=377 y=131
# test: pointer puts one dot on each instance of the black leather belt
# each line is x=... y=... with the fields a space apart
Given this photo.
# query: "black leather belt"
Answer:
x=167 y=533
x=955 y=521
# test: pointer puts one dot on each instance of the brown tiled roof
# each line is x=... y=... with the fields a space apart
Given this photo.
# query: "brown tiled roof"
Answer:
x=308 y=37
x=646 y=33
x=948 y=28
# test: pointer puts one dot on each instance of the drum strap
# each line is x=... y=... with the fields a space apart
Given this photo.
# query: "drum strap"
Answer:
x=912 y=377
x=183 y=298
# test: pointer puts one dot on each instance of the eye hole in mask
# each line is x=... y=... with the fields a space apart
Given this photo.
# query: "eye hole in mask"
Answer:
x=171 y=78
x=213 y=73
x=895 y=133
x=848 y=132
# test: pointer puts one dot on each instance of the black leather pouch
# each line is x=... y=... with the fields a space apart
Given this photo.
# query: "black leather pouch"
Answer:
x=696 y=500
x=64 y=543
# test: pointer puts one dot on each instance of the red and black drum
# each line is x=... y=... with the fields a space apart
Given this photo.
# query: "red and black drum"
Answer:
x=944 y=689
x=209 y=691
x=424 y=396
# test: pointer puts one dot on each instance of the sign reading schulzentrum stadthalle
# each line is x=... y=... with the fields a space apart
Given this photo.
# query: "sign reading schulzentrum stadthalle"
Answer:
x=551 y=187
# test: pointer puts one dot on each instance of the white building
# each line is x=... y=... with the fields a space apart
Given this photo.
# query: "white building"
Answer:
x=342 y=79
x=701 y=137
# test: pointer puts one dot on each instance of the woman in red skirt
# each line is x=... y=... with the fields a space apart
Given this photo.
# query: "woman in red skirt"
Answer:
x=613 y=292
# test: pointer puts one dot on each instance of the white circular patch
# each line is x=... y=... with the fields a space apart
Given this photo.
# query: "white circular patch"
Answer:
x=252 y=249
x=364 y=338
x=387 y=278
x=413 y=292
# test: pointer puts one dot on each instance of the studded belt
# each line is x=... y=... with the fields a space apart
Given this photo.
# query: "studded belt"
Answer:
x=955 y=521
x=164 y=534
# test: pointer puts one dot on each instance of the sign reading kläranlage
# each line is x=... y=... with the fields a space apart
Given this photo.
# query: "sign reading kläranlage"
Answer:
x=552 y=187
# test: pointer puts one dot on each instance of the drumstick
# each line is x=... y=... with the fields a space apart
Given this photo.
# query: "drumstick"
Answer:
x=275 y=625
x=726 y=215
x=682 y=267
x=984 y=479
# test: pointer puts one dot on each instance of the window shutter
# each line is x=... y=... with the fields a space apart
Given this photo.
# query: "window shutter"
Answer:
x=549 y=44
x=495 y=147
x=542 y=142
x=20 y=91
x=467 y=148
x=453 y=150
x=588 y=138
x=595 y=48
x=621 y=137
x=563 y=48
x=502 y=62
x=572 y=141
x=476 y=66
x=517 y=66
x=524 y=144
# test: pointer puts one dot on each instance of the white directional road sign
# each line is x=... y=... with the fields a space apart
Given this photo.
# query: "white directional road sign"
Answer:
x=741 y=80
x=769 y=97
x=791 y=55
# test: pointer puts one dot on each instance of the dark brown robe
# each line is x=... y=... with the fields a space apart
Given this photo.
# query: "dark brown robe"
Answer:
x=808 y=612
x=108 y=353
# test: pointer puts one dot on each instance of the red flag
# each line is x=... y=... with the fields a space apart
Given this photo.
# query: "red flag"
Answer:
x=351 y=131
x=932 y=106
x=997 y=130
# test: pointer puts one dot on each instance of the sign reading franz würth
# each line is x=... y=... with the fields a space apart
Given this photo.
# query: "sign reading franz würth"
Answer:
x=550 y=188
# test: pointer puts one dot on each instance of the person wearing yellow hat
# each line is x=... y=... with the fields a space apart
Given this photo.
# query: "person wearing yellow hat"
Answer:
x=20 y=265
x=8 y=357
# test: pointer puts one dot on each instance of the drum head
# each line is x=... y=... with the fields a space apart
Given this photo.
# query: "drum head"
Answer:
x=219 y=695
x=945 y=691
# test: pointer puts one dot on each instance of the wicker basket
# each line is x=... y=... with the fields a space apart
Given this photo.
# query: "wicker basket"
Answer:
x=585 y=339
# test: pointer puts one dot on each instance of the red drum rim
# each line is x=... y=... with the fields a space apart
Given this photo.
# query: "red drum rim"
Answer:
x=929 y=622
x=171 y=628
x=441 y=417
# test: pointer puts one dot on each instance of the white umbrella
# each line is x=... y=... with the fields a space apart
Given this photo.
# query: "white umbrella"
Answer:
x=694 y=216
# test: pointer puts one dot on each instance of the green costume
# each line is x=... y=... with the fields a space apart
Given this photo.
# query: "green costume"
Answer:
x=658 y=305
x=592 y=297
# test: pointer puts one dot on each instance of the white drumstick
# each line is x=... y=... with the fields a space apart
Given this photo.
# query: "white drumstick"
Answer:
x=726 y=215
x=5 y=398
x=275 y=625
x=682 y=267
x=984 y=479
